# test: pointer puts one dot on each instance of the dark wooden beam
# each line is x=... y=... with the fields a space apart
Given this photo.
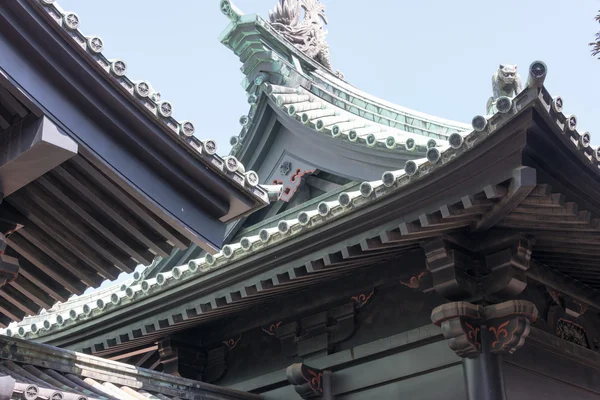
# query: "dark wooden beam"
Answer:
x=45 y=264
x=9 y=266
x=141 y=359
x=29 y=149
x=143 y=350
x=39 y=279
x=4 y=123
x=18 y=94
x=85 y=212
x=156 y=363
x=78 y=245
x=80 y=228
x=136 y=207
x=8 y=309
x=565 y=284
x=112 y=209
x=18 y=300
x=522 y=183
x=33 y=292
x=11 y=103
x=62 y=257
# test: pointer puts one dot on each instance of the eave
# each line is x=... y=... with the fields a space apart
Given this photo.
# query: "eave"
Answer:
x=461 y=189
x=97 y=177
x=156 y=130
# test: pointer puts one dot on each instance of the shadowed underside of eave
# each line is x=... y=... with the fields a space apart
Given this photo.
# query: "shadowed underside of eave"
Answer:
x=471 y=214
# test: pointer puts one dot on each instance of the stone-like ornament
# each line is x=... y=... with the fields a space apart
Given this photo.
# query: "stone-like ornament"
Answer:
x=307 y=34
x=506 y=82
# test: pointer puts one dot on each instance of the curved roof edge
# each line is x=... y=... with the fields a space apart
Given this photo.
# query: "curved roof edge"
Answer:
x=348 y=201
x=148 y=100
x=268 y=57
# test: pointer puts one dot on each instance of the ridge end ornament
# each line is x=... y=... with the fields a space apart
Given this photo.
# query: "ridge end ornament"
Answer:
x=307 y=34
x=506 y=82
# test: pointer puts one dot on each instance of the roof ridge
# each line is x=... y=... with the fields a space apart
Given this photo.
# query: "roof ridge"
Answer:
x=325 y=117
x=395 y=107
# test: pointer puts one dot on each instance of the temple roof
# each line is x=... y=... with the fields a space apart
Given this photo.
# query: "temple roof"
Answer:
x=46 y=372
x=148 y=100
x=482 y=207
x=314 y=95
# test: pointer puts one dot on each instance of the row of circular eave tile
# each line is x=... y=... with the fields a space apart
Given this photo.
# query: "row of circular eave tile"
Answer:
x=285 y=229
x=324 y=117
x=391 y=181
x=150 y=100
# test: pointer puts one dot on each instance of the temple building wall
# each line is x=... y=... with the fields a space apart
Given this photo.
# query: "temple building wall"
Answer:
x=388 y=311
x=533 y=372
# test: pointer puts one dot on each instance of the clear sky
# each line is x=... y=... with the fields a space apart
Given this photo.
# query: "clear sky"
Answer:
x=433 y=56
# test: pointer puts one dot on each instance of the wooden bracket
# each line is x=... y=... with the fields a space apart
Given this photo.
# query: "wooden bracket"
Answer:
x=492 y=265
x=507 y=325
x=310 y=383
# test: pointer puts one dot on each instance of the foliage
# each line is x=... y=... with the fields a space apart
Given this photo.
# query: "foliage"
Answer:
x=596 y=45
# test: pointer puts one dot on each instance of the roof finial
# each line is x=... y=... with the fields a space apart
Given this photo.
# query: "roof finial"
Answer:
x=230 y=10
x=506 y=82
x=307 y=34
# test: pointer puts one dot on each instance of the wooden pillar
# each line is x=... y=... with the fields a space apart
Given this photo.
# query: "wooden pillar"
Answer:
x=483 y=374
x=481 y=335
x=327 y=385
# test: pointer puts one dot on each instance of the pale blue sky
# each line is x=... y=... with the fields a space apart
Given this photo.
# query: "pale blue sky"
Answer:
x=434 y=56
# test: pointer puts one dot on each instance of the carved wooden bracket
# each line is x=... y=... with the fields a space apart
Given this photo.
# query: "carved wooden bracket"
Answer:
x=507 y=323
x=449 y=269
x=462 y=268
x=508 y=268
x=307 y=381
x=571 y=306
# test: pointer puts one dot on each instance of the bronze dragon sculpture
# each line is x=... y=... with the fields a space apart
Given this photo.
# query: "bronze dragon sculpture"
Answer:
x=308 y=33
